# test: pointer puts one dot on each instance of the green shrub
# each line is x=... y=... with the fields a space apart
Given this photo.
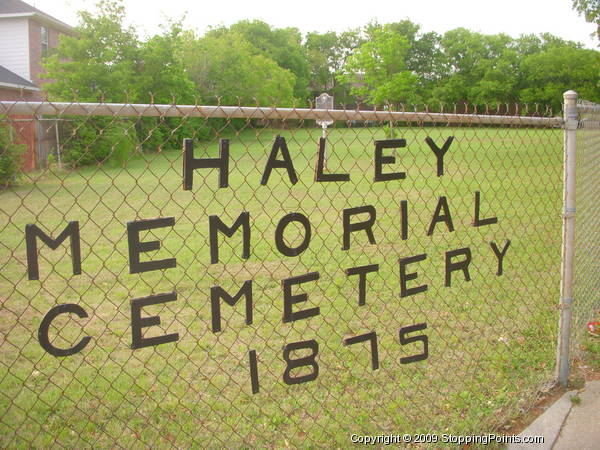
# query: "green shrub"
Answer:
x=167 y=133
x=99 y=141
x=120 y=137
x=10 y=156
x=390 y=132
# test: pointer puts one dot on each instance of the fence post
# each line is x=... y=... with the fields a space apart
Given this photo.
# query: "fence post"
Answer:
x=568 y=241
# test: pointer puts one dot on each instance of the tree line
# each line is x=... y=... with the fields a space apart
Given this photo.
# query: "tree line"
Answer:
x=252 y=62
x=394 y=65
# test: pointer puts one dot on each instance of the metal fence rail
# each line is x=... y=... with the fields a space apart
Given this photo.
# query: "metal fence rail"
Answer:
x=485 y=116
x=225 y=276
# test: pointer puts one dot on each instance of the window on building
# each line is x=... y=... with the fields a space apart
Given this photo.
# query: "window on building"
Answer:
x=44 y=39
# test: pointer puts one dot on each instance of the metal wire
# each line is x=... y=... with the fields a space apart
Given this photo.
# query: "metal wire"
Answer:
x=586 y=299
x=423 y=316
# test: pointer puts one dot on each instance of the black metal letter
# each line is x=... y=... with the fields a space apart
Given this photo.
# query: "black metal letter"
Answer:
x=380 y=160
x=404 y=340
x=372 y=336
x=500 y=254
x=190 y=163
x=404 y=220
x=138 y=322
x=253 y=371
x=319 y=175
x=446 y=217
x=215 y=225
x=217 y=293
x=459 y=265
x=439 y=152
x=362 y=272
x=45 y=327
x=367 y=225
x=404 y=277
x=33 y=231
x=477 y=222
x=283 y=248
x=274 y=163
x=306 y=361
x=136 y=247
x=290 y=300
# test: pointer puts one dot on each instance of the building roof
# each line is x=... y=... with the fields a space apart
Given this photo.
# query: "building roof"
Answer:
x=18 y=8
x=11 y=80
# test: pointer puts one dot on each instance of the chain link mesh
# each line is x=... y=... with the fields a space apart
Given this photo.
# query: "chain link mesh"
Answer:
x=586 y=283
x=458 y=359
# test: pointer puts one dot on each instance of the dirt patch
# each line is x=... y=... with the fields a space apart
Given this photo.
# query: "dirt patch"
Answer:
x=585 y=371
x=517 y=425
x=580 y=374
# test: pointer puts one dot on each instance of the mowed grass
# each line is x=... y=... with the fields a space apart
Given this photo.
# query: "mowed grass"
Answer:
x=491 y=339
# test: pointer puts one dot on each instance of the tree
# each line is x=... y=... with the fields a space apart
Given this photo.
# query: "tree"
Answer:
x=377 y=70
x=481 y=69
x=282 y=45
x=99 y=62
x=469 y=56
x=161 y=77
x=424 y=57
x=327 y=54
x=590 y=9
x=227 y=67
x=160 y=70
x=322 y=58
x=550 y=73
x=106 y=61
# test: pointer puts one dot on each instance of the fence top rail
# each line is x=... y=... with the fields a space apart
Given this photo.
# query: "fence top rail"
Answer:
x=255 y=112
x=588 y=107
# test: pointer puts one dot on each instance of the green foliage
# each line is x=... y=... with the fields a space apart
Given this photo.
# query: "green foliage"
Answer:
x=160 y=73
x=327 y=55
x=107 y=61
x=322 y=58
x=590 y=9
x=424 y=57
x=282 y=45
x=377 y=70
x=480 y=68
x=254 y=63
x=99 y=141
x=550 y=73
x=228 y=69
x=10 y=157
x=496 y=69
x=390 y=131
x=99 y=62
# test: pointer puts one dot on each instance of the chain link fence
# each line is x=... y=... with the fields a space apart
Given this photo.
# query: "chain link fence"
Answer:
x=223 y=276
x=586 y=298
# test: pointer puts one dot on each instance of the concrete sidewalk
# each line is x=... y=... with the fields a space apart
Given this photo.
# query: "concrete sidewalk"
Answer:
x=567 y=424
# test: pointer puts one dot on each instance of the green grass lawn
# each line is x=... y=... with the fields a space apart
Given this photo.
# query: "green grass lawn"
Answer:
x=491 y=340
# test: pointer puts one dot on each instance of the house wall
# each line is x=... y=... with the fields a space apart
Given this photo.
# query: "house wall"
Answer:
x=14 y=46
x=16 y=94
x=21 y=53
x=35 y=49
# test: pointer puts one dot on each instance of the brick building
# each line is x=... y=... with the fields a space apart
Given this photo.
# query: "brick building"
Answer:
x=26 y=35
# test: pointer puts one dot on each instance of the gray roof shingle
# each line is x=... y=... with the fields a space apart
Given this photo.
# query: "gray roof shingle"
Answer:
x=8 y=77
x=19 y=7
